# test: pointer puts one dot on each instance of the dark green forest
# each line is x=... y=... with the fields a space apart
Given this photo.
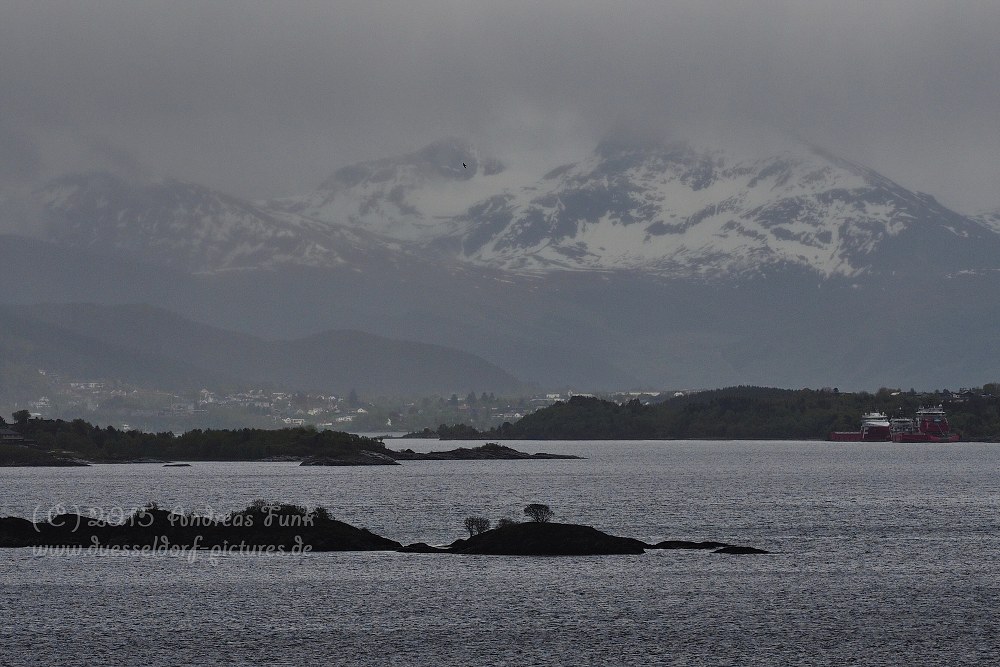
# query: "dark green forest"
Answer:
x=109 y=444
x=741 y=413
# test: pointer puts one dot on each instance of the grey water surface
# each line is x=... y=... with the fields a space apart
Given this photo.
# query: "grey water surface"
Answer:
x=882 y=554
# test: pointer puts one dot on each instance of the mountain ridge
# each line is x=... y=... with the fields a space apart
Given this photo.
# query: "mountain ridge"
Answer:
x=673 y=211
x=530 y=280
x=194 y=228
x=669 y=210
x=158 y=348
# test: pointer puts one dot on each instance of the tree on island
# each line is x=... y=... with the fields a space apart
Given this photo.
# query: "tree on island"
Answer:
x=476 y=525
x=539 y=513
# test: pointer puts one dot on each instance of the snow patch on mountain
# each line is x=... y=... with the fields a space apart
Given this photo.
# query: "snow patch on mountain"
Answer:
x=667 y=210
x=989 y=219
x=413 y=197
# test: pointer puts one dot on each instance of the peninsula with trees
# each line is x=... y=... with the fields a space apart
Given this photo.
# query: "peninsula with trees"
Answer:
x=736 y=413
x=47 y=442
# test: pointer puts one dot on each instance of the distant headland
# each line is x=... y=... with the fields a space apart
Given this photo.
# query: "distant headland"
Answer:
x=41 y=442
x=735 y=413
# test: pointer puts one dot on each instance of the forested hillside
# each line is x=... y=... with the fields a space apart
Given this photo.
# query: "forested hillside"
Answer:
x=109 y=444
x=744 y=413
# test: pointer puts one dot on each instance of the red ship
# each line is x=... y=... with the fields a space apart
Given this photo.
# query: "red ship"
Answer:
x=874 y=428
x=930 y=425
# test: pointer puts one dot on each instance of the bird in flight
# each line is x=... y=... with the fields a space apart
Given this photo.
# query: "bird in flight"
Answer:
x=465 y=165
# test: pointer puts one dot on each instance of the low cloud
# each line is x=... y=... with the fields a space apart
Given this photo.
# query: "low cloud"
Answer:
x=262 y=100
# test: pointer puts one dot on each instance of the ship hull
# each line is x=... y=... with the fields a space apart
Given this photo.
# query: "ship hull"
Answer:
x=924 y=437
x=877 y=434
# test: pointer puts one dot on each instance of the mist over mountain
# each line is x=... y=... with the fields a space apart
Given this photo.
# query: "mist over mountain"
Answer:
x=154 y=348
x=409 y=197
x=642 y=264
x=191 y=227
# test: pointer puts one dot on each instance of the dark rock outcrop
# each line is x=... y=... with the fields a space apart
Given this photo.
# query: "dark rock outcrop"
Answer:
x=423 y=548
x=683 y=544
x=714 y=547
x=547 y=539
x=362 y=457
x=15 y=532
x=733 y=549
x=489 y=451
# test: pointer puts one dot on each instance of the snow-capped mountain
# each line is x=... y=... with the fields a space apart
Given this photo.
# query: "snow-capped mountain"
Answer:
x=547 y=274
x=669 y=210
x=191 y=227
x=672 y=210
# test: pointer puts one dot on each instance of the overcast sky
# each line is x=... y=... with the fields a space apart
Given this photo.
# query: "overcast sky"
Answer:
x=267 y=98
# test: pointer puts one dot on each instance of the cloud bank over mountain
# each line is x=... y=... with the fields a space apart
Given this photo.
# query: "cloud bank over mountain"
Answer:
x=257 y=100
x=781 y=192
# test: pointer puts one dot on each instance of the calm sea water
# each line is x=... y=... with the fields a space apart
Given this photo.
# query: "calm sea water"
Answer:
x=883 y=554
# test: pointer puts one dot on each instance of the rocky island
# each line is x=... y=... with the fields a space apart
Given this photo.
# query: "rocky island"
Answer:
x=262 y=527
x=358 y=458
x=563 y=539
x=278 y=528
x=489 y=451
x=534 y=538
